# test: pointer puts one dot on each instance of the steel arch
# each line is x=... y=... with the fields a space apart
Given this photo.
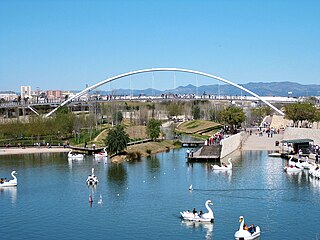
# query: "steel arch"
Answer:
x=86 y=90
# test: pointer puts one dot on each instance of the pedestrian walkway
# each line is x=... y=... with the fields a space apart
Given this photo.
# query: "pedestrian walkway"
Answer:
x=256 y=142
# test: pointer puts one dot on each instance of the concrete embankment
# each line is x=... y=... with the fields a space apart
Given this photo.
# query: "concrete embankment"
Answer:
x=231 y=144
x=245 y=141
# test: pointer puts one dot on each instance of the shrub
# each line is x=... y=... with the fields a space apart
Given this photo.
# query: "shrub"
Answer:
x=132 y=156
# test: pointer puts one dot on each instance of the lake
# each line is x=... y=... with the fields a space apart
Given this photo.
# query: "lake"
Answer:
x=142 y=199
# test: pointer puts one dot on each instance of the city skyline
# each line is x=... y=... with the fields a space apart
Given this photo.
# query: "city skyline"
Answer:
x=71 y=44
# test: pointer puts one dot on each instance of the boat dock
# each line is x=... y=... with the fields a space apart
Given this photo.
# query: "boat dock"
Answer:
x=192 y=143
x=205 y=154
x=89 y=151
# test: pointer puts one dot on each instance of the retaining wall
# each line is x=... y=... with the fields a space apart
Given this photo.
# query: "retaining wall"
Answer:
x=231 y=144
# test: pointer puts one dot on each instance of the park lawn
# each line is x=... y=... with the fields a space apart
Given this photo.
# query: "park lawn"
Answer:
x=136 y=132
x=197 y=126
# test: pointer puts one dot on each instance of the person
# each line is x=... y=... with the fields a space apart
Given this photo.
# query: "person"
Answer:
x=93 y=146
x=191 y=153
x=1 y=180
x=300 y=153
x=194 y=211
x=200 y=214
x=252 y=228
x=245 y=227
x=188 y=152
x=317 y=158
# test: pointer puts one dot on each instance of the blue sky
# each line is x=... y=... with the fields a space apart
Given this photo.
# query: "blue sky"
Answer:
x=66 y=44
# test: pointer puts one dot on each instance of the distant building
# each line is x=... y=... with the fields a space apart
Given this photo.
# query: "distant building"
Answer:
x=54 y=94
x=25 y=92
x=8 y=96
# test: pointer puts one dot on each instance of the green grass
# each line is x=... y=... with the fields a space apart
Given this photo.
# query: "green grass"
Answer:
x=198 y=126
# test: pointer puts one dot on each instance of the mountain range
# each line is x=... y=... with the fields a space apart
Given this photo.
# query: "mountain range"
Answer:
x=260 y=88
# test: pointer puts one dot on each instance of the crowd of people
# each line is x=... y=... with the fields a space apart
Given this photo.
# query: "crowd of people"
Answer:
x=215 y=138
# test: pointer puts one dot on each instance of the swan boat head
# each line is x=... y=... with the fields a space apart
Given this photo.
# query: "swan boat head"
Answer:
x=13 y=173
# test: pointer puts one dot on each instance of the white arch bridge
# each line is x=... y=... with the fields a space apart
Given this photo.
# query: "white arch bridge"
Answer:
x=86 y=90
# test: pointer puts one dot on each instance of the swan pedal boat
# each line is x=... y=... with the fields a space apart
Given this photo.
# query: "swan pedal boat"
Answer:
x=227 y=167
x=274 y=154
x=315 y=171
x=103 y=154
x=205 y=217
x=10 y=183
x=242 y=234
x=92 y=179
x=75 y=156
x=306 y=164
x=292 y=169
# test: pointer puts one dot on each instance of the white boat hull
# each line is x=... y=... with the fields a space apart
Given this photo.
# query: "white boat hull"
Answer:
x=246 y=235
x=291 y=169
x=275 y=154
x=8 y=184
x=189 y=216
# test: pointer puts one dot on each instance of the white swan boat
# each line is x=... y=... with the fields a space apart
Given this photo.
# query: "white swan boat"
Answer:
x=274 y=154
x=306 y=164
x=100 y=155
x=92 y=179
x=292 y=166
x=292 y=169
x=223 y=167
x=315 y=171
x=10 y=183
x=75 y=156
x=205 y=217
x=243 y=234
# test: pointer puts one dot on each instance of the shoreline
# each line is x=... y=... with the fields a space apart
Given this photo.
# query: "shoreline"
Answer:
x=32 y=150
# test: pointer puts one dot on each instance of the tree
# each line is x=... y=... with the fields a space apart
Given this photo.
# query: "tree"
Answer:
x=117 y=117
x=259 y=113
x=117 y=139
x=233 y=116
x=196 y=112
x=153 y=128
x=299 y=112
x=317 y=117
x=174 y=109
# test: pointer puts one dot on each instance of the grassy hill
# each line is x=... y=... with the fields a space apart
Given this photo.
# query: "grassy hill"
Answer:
x=199 y=127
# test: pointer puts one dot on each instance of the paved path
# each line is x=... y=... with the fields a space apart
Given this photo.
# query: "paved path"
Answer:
x=256 y=142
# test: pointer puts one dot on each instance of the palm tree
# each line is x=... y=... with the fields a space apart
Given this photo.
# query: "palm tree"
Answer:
x=117 y=139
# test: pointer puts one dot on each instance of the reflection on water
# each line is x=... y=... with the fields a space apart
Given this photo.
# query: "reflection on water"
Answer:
x=225 y=174
x=206 y=227
x=117 y=174
x=11 y=192
x=153 y=163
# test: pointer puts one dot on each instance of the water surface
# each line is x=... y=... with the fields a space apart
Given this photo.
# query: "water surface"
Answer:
x=142 y=200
